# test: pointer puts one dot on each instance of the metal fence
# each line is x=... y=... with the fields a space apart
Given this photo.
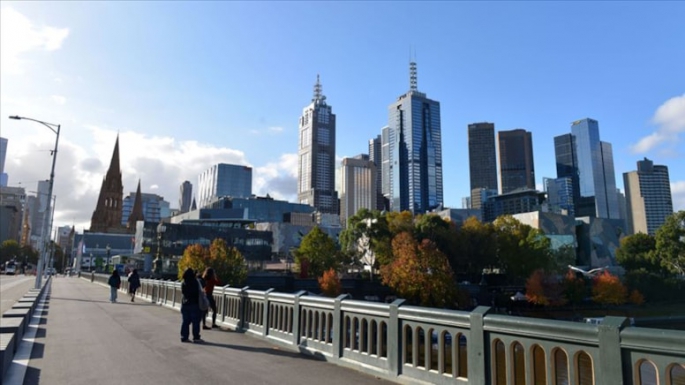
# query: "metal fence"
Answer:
x=410 y=344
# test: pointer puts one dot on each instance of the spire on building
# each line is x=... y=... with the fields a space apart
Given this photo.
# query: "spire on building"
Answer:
x=107 y=215
x=114 y=167
x=413 y=82
x=318 y=93
x=193 y=207
x=136 y=211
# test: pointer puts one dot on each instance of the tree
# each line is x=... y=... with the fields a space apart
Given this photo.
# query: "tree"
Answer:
x=419 y=272
x=561 y=258
x=195 y=257
x=670 y=243
x=29 y=254
x=438 y=230
x=330 y=284
x=318 y=251
x=9 y=249
x=637 y=252
x=367 y=238
x=476 y=247
x=544 y=289
x=228 y=263
x=575 y=288
x=608 y=290
x=636 y=298
x=521 y=249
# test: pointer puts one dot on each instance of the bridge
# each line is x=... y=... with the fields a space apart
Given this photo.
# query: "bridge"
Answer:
x=270 y=337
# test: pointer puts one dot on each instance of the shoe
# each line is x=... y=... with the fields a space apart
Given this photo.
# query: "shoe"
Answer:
x=185 y=340
x=131 y=299
x=206 y=327
x=215 y=326
x=198 y=341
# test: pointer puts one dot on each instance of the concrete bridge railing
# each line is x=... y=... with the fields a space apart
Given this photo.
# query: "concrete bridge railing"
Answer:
x=410 y=344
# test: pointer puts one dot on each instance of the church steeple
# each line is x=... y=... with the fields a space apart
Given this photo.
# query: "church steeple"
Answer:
x=136 y=211
x=107 y=215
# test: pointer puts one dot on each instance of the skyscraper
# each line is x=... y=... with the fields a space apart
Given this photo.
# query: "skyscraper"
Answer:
x=516 y=160
x=3 y=156
x=414 y=151
x=482 y=159
x=590 y=163
x=224 y=180
x=375 y=156
x=316 y=153
x=358 y=186
x=186 y=197
x=648 y=197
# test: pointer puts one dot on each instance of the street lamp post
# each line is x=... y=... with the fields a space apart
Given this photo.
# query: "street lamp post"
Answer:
x=159 y=262
x=109 y=250
x=44 y=250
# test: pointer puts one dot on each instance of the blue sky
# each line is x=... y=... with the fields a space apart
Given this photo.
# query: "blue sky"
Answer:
x=188 y=84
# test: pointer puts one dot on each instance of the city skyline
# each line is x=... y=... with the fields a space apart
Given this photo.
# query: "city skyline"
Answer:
x=238 y=101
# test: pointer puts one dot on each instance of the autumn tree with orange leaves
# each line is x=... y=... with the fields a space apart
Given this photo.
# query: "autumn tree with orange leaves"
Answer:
x=330 y=284
x=607 y=289
x=544 y=289
x=419 y=273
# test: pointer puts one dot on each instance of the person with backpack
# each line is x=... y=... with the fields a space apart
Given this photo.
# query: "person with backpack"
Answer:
x=114 y=282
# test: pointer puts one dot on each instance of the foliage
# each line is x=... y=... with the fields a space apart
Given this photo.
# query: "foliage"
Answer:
x=654 y=287
x=608 y=290
x=636 y=298
x=476 y=247
x=420 y=272
x=29 y=254
x=670 y=243
x=330 y=283
x=440 y=231
x=9 y=249
x=399 y=222
x=228 y=263
x=319 y=252
x=195 y=257
x=637 y=252
x=370 y=228
x=575 y=287
x=544 y=289
x=521 y=249
x=561 y=258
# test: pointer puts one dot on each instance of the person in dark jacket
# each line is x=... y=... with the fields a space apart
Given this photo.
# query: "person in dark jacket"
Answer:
x=114 y=282
x=190 y=310
x=133 y=284
x=210 y=280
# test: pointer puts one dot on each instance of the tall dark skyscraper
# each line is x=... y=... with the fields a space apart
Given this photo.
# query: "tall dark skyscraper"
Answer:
x=414 y=151
x=316 y=153
x=516 y=160
x=589 y=163
x=375 y=155
x=186 y=197
x=482 y=159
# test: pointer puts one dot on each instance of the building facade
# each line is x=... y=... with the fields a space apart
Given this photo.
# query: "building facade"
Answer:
x=316 y=155
x=358 y=186
x=224 y=180
x=516 y=166
x=376 y=156
x=521 y=201
x=11 y=212
x=37 y=206
x=560 y=195
x=3 y=155
x=648 y=197
x=154 y=208
x=414 y=140
x=185 y=197
x=107 y=215
x=482 y=159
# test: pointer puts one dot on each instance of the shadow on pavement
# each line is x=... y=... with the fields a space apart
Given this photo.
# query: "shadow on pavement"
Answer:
x=274 y=351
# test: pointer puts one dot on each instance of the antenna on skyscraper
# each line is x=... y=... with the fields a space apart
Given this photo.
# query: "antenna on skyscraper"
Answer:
x=318 y=95
x=413 y=82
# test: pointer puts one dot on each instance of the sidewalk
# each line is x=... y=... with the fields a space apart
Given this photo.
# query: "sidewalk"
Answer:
x=85 y=339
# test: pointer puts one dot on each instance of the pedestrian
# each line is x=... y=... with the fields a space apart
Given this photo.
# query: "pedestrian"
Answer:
x=133 y=284
x=190 y=309
x=114 y=284
x=210 y=279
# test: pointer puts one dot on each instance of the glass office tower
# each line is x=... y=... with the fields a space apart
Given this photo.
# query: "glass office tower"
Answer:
x=517 y=170
x=648 y=197
x=414 y=152
x=482 y=159
x=224 y=180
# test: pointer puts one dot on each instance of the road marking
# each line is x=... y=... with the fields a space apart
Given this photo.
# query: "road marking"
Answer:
x=17 y=371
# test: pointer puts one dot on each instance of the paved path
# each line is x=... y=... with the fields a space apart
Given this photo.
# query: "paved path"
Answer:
x=13 y=288
x=85 y=339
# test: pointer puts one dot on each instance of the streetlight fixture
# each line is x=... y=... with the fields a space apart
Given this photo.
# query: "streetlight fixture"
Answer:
x=158 y=263
x=109 y=250
x=44 y=250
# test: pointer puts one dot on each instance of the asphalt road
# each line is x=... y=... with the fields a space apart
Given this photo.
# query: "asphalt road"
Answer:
x=85 y=339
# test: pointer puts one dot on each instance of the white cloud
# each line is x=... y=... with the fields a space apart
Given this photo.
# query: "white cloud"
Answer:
x=61 y=100
x=160 y=162
x=670 y=121
x=678 y=195
x=18 y=35
x=276 y=129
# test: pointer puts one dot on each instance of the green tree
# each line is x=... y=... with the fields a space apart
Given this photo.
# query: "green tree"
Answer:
x=195 y=257
x=399 y=222
x=476 y=247
x=561 y=258
x=670 y=243
x=440 y=231
x=575 y=288
x=9 y=249
x=420 y=272
x=319 y=252
x=228 y=263
x=521 y=249
x=637 y=252
x=29 y=254
x=367 y=230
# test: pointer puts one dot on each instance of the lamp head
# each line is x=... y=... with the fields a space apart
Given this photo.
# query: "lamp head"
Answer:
x=15 y=117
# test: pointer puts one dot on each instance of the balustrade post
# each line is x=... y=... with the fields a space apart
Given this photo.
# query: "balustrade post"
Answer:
x=296 y=318
x=242 y=311
x=609 y=369
x=338 y=326
x=478 y=368
x=265 y=313
x=394 y=339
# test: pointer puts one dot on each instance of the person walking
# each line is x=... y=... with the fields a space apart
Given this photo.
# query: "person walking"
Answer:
x=114 y=284
x=133 y=284
x=190 y=309
x=210 y=279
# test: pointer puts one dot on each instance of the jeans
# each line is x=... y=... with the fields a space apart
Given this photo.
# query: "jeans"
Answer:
x=190 y=314
x=112 y=294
